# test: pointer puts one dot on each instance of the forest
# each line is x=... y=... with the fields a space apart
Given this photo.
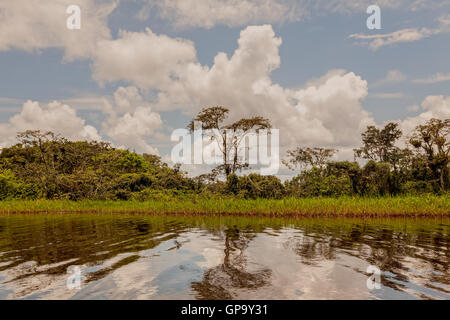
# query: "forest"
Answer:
x=43 y=165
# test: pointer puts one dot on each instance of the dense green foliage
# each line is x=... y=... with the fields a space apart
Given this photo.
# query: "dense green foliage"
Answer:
x=420 y=168
x=46 y=166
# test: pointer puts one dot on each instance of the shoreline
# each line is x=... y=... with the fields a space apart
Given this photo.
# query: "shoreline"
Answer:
x=410 y=206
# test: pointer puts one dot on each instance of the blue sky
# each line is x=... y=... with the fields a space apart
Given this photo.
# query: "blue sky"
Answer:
x=52 y=64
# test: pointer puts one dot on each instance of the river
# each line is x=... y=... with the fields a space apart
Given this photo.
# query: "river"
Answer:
x=92 y=256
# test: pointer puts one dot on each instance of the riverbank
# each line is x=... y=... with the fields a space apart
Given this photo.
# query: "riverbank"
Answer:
x=431 y=206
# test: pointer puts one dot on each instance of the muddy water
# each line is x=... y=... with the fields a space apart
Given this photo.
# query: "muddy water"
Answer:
x=147 y=257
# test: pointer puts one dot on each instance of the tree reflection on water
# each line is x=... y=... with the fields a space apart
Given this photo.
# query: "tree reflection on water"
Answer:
x=219 y=282
x=36 y=250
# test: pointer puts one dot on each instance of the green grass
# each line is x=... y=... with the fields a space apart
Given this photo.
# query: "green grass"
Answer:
x=432 y=206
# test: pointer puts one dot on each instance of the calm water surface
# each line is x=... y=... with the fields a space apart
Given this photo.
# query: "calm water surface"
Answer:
x=148 y=257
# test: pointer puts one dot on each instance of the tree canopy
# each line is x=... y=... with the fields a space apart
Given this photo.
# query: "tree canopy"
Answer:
x=44 y=165
x=230 y=137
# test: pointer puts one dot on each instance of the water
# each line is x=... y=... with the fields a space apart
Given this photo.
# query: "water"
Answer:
x=148 y=257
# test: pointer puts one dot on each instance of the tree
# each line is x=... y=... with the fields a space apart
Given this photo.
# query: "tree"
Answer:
x=233 y=272
x=346 y=168
x=44 y=164
x=255 y=186
x=318 y=182
x=308 y=157
x=379 y=145
x=376 y=179
x=239 y=130
x=431 y=141
x=229 y=137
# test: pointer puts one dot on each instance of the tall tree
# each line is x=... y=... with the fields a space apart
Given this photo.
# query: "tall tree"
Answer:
x=308 y=157
x=379 y=145
x=230 y=136
x=431 y=140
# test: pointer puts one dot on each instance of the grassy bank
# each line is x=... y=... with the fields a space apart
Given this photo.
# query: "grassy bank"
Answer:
x=432 y=206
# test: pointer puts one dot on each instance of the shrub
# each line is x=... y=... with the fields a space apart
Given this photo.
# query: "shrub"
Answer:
x=315 y=183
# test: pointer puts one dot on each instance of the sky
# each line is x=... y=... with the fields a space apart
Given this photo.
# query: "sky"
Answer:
x=137 y=70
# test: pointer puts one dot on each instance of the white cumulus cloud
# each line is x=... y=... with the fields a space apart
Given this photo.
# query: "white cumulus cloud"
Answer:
x=144 y=58
x=432 y=107
x=327 y=111
x=33 y=25
x=132 y=129
x=127 y=99
x=55 y=116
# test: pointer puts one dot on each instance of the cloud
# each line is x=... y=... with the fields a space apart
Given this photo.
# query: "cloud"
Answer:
x=437 y=107
x=377 y=41
x=146 y=59
x=126 y=119
x=417 y=5
x=393 y=76
x=33 y=25
x=413 y=108
x=336 y=106
x=8 y=105
x=353 y=6
x=87 y=102
x=55 y=116
x=391 y=95
x=438 y=77
x=127 y=98
x=433 y=107
x=131 y=121
x=235 y=13
x=445 y=22
x=132 y=129
x=232 y=13
x=5 y=100
x=327 y=111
